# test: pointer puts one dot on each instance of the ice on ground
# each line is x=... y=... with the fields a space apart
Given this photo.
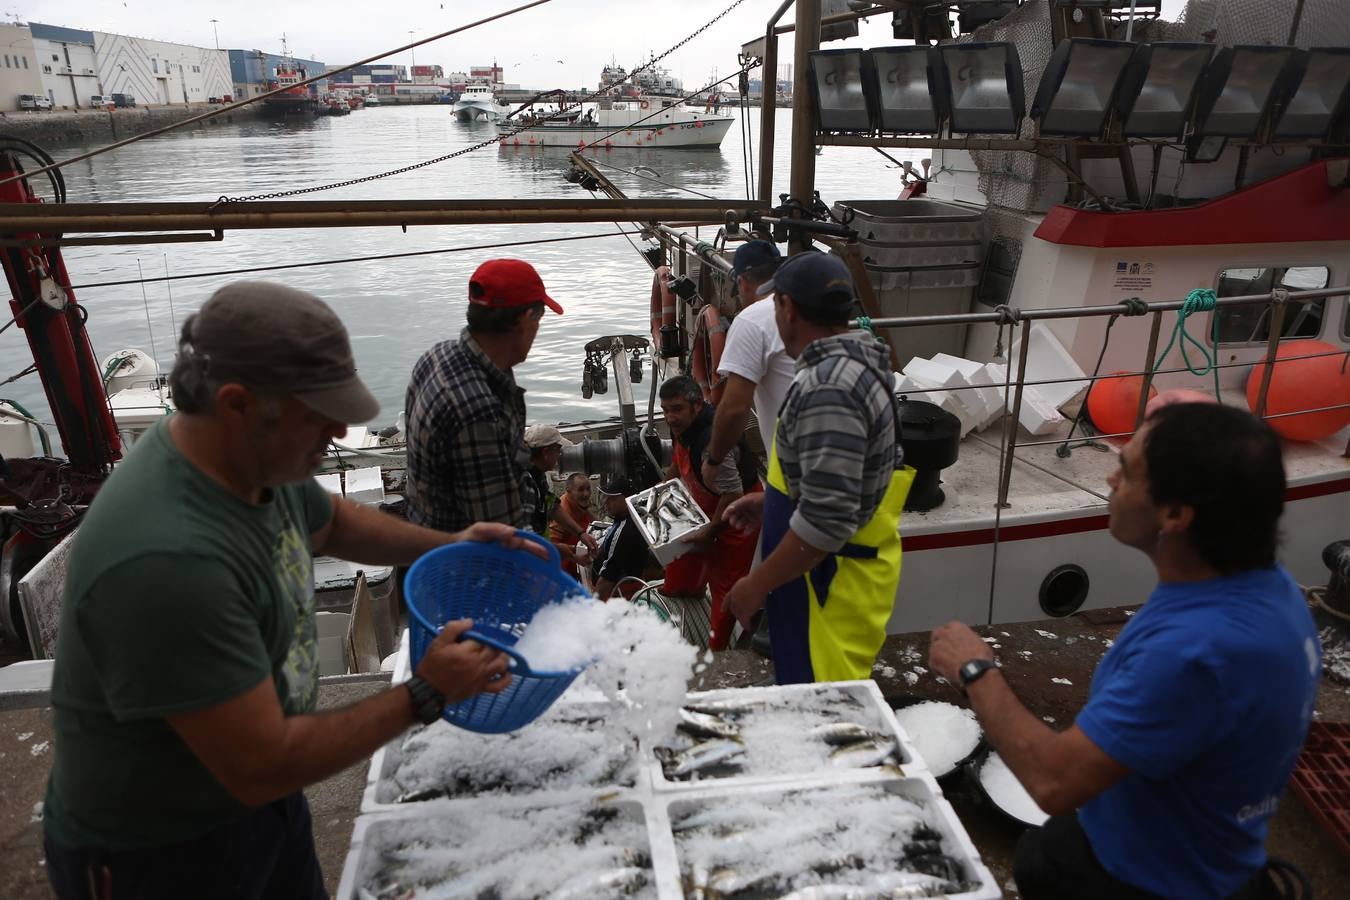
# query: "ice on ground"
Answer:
x=769 y=845
x=1335 y=655
x=24 y=735
x=512 y=854
x=887 y=672
x=943 y=733
x=39 y=748
x=911 y=678
x=1061 y=681
x=36 y=815
x=1007 y=793
x=1048 y=635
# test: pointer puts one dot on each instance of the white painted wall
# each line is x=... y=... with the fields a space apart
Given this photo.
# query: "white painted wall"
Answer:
x=69 y=72
x=19 y=71
x=161 y=73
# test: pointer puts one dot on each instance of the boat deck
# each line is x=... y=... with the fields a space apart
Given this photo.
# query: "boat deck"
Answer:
x=1071 y=653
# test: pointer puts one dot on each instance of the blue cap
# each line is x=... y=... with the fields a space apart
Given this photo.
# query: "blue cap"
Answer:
x=752 y=255
x=814 y=279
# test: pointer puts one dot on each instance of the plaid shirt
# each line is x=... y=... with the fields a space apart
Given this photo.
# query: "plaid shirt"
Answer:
x=467 y=460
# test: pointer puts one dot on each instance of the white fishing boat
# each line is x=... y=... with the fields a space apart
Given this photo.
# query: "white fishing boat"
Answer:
x=649 y=123
x=478 y=104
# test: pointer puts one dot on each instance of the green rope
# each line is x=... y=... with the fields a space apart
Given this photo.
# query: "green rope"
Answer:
x=865 y=323
x=1200 y=300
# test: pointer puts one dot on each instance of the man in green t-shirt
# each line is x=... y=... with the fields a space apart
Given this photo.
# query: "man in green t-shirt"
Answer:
x=186 y=663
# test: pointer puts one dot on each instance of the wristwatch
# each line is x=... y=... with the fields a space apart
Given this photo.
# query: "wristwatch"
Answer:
x=972 y=671
x=427 y=702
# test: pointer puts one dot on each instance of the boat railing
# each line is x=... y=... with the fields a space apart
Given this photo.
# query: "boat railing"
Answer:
x=1012 y=317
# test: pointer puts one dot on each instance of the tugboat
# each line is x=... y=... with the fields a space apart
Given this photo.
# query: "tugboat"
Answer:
x=294 y=98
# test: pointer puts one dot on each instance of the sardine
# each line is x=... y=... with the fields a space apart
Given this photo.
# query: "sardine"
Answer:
x=705 y=725
x=840 y=733
x=727 y=881
x=719 y=708
x=596 y=883
x=705 y=755
x=862 y=754
x=831 y=892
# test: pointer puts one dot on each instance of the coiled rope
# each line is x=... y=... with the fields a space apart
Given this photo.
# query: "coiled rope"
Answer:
x=1200 y=300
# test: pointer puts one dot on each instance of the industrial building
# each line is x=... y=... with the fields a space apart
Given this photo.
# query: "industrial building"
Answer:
x=21 y=74
x=252 y=70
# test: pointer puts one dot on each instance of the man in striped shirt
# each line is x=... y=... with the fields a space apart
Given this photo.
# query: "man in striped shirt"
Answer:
x=836 y=485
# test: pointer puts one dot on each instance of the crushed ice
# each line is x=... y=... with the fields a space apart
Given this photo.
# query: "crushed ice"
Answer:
x=943 y=733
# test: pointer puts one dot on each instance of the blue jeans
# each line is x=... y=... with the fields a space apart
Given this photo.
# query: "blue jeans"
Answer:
x=268 y=854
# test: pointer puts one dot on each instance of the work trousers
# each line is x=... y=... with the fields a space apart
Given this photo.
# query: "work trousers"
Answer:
x=268 y=854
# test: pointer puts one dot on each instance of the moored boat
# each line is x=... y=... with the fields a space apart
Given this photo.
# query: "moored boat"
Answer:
x=647 y=123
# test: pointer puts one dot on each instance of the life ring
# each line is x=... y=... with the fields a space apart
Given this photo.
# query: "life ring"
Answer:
x=644 y=104
x=710 y=339
x=663 y=303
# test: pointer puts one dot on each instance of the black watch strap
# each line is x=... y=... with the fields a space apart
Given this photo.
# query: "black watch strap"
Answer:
x=427 y=702
x=973 y=670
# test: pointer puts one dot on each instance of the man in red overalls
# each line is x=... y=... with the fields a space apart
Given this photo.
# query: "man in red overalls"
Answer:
x=721 y=555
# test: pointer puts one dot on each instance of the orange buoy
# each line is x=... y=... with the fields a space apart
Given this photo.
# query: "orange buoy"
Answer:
x=1305 y=384
x=1178 y=395
x=1114 y=402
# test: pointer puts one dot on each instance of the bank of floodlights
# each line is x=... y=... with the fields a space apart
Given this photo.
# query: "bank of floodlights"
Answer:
x=1158 y=95
x=837 y=81
x=908 y=89
x=1322 y=100
x=1079 y=86
x=1241 y=87
x=985 y=80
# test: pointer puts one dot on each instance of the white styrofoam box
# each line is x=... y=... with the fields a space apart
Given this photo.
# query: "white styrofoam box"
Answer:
x=330 y=482
x=922 y=255
x=948 y=376
x=1048 y=360
x=920 y=789
x=990 y=396
x=381 y=793
x=674 y=547
x=374 y=833
x=1037 y=414
x=874 y=712
x=365 y=485
x=947 y=399
x=402 y=661
x=908 y=387
x=331 y=638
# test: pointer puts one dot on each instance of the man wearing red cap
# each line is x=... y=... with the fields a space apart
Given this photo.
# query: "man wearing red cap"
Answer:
x=467 y=461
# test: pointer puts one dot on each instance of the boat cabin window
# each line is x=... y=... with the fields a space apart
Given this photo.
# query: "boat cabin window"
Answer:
x=1251 y=324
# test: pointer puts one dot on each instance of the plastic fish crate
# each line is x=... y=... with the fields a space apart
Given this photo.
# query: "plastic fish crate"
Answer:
x=921 y=789
x=381 y=791
x=672 y=549
x=1322 y=778
x=374 y=833
x=873 y=712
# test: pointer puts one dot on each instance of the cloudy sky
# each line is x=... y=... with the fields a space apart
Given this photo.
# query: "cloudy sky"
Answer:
x=563 y=43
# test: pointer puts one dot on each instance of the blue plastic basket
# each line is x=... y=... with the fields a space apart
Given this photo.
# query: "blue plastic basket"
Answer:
x=500 y=590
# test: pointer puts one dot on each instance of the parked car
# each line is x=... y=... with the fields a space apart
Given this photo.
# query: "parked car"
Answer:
x=34 y=101
x=123 y=100
x=98 y=101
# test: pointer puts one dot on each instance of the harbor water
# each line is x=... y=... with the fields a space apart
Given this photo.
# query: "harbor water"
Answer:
x=397 y=308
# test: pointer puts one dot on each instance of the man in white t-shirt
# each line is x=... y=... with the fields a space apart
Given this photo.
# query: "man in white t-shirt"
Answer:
x=757 y=370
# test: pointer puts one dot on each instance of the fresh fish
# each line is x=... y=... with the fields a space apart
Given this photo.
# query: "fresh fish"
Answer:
x=698 y=882
x=839 y=733
x=720 y=708
x=831 y=892
x=705 y=755
x=726 y=882
x=909 y=885
x=705 y=725
x=862 y=754
x=595 y=883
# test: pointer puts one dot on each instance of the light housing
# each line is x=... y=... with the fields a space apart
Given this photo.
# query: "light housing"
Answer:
x=837 y=80
x=985 y=81
x=1240 y=88
x=908 y=89
x=1160 y=88
x=1078 y=87
x=1322 y=99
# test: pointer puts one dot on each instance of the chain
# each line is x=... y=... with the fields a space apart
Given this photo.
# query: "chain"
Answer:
x=294 y=192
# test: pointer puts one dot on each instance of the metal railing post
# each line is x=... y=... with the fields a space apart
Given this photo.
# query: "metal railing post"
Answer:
x=1154 y=330
x=1278 y=302
x=1005 y=477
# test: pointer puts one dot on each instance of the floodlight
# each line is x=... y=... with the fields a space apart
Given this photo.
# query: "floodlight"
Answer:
x=986 y=87
x=837 y=81
x=908 y=88
x=1079 y=85
x=1241 y=86
x=1160 y=87
x=1322 y=98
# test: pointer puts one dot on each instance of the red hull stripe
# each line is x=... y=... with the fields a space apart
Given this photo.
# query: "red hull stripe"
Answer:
x=1059 y=527
x=1294 y=207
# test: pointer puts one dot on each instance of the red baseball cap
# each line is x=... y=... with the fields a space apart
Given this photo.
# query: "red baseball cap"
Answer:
x=504 y=283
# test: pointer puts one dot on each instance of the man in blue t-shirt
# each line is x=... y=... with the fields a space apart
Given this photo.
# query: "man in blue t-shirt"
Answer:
x=1165 y=783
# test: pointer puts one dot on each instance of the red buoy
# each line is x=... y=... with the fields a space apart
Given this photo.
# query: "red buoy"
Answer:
x=1305 y=384
x=1114 y=402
